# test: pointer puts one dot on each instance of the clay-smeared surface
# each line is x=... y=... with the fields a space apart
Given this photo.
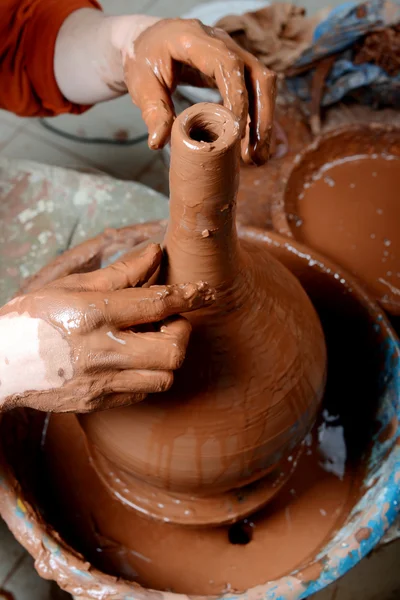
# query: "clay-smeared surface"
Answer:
x=349 y=210
x=276 y=34
x=161 y=556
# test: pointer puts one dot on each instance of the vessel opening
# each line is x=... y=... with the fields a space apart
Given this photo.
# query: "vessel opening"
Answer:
x=240 y=534
x=203 y=134
x=204 y=128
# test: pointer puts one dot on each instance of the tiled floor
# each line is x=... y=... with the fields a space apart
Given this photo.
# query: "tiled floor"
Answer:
x=27 y=138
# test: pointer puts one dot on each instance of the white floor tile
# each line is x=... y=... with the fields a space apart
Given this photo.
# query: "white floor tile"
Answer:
x=11 y=118
x=126 y=7
x=7 y=132
x=177 y=8
x=36 y=143
x=118 y=118
x=26 y=146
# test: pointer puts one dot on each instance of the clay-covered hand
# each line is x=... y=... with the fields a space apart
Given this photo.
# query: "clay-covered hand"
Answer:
x=178 y=51
x=72 y=346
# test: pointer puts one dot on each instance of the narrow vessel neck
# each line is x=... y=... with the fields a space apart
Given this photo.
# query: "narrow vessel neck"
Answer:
x=201 y=240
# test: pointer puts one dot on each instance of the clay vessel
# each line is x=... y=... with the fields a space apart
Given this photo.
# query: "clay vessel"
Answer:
x=341 y=199
x=227 y=436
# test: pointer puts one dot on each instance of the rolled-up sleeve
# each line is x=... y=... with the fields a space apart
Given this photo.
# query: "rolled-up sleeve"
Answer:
x=28 y=33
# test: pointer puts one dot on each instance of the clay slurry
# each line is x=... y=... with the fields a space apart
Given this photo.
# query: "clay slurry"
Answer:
x=349 y=210
x=267 y=545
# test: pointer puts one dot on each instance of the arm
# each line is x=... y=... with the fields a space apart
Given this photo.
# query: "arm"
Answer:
x=78 y=344
x=64 y=55
x=98 y=57
x=88 y=63
x=28 y=34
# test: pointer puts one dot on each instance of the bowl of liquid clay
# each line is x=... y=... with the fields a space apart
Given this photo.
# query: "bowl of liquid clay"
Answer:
x=342 y=200
x=342 y=497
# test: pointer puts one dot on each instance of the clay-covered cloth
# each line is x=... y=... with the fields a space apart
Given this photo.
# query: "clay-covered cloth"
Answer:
x=276 y=34
x=362 y=43
x=28 y=33
x=381 y=48
x=352 y=50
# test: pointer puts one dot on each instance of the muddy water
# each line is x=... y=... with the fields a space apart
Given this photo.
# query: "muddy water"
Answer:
x=349 y=210
x=203 y=561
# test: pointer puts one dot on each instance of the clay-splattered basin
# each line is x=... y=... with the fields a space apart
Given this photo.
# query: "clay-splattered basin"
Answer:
x=340 y=199
x=360 y=340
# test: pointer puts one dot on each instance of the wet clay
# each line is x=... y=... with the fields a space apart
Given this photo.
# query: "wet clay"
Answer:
x=52 y=495
x=261 y=189
x=277 y=34
x=347 y=208
x=214 y=448
x=272 y=543
x=79 y=348
x=176 y=51
x=263 y=547
x=382 y=48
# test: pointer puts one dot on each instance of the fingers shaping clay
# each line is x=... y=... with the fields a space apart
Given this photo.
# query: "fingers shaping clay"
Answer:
x=226 y=437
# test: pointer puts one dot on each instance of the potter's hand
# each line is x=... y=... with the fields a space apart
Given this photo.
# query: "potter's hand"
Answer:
x=99 y=57
x=69 y=348
x=177 y=51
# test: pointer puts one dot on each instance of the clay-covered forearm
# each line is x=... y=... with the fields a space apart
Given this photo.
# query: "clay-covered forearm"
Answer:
x=72 y=345
x=24 y=357
x=28 y=33
x=89 y=54
x=98 y=57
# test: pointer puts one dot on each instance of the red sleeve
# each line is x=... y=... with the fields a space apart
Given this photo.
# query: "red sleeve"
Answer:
x=28 y=32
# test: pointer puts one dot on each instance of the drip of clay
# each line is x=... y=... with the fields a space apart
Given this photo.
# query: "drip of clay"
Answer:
x=226 y=437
